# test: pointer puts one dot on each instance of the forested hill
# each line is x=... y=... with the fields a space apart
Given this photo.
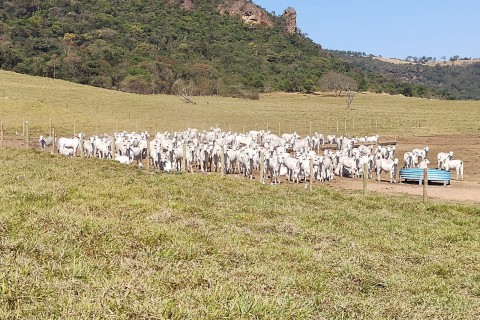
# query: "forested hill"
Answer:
x=165 y=46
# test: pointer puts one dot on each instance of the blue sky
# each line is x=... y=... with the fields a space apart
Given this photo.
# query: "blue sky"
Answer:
x=394 y=29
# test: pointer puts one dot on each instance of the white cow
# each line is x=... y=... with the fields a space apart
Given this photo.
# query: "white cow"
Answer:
x=411 y=160
x=348 y=164
x=68 y=143
x=453 y=164
x=422 y=152
x=123 y=159
x=387 y=165
x=442 y=156
x=273 y=164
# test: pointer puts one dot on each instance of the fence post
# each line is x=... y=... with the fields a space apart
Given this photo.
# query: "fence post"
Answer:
x=81 y=136
x=54 y=138
x=425 y=184
x=222 y=160
x=365 y=175
x=311 y=174
x=310 y=127
x=1 y=134
x=262 y=166
x=184 y=158
x=337 y=126
x=50 y=132
x=148 y=154
x=27 y=137
x=113 y=148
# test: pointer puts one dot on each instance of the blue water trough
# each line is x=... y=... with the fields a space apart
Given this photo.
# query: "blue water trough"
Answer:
x=434 y=175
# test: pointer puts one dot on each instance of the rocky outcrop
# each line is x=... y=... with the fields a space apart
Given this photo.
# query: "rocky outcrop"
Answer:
x=187 y=4
x=290 y=16
x=248 y=11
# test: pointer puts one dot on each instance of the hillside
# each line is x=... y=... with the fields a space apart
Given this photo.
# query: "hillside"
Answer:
x=449 y=80
x=225 y=47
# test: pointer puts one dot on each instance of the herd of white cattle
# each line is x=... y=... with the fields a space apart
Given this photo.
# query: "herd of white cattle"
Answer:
x=288 y=156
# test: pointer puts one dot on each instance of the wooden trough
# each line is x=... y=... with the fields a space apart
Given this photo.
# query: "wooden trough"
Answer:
x=356 y=145
x=416 y=174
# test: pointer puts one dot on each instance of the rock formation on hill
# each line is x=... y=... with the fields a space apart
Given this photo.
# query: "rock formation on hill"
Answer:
x=290 y=16
x=184 y=4
x=187 y=4
x=249 y=12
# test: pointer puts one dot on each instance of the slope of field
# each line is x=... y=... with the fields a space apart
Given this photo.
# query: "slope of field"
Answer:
x=71 y=105
x=92 y=239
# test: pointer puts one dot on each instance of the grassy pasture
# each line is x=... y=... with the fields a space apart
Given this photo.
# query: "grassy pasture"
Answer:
x=93 y=239
x=75 y=106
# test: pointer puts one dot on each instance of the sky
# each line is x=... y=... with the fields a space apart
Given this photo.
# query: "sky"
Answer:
x=389 y=28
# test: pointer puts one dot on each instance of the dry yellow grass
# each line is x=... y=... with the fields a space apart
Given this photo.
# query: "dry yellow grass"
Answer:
x=76 y=106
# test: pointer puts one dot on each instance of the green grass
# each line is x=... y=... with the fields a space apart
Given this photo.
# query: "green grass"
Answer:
x=72 y=106
x=84 y=238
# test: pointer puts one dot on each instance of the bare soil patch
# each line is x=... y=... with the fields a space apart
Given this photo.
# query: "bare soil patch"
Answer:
x=466 y=148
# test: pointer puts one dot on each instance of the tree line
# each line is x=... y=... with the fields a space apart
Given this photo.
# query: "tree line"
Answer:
x=152 y=47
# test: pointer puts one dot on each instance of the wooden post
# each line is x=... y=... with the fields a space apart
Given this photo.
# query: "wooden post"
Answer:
x=222 y=160
x=365 y=176
x=310 y=127
x=23 y=127
x=337 y=125
x=184 y=157
x=262 y=166
x=311 y=174
x=27 y=137
x=425 y=184
x=81 y=146
x=148 y=154
x=267 y=126
x=113 y=148
x=50 y=132
x=54 y=140
x=1 y=134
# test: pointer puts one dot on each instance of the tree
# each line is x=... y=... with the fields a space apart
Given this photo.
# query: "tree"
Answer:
x=337 y=82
